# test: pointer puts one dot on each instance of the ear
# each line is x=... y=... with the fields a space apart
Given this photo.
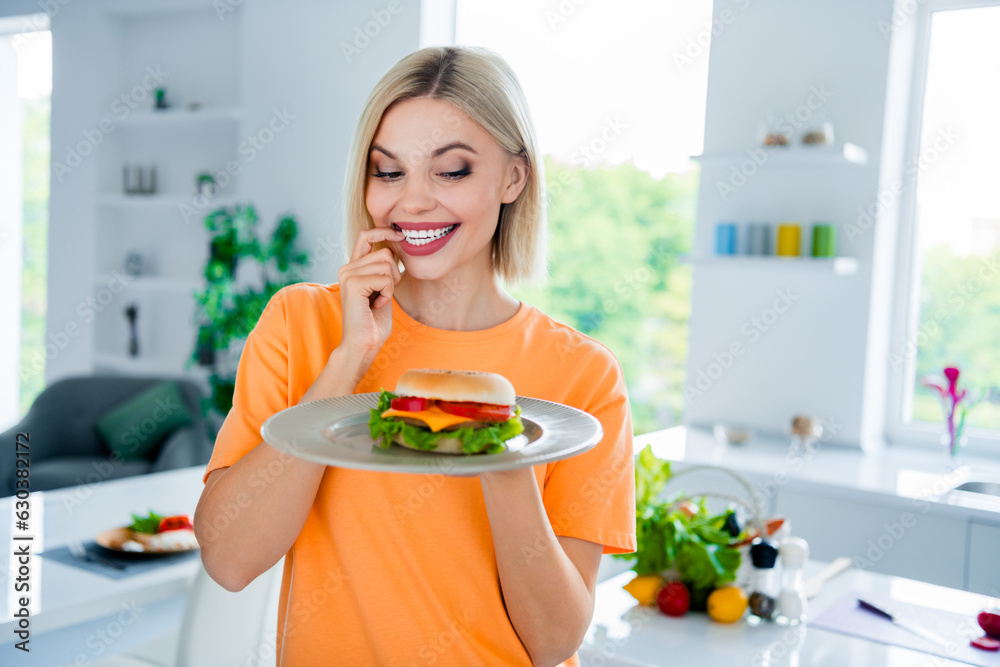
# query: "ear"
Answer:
x=517 y=177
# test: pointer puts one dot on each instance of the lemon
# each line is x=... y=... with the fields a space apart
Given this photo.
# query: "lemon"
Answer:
x=727 y=604
x=644 y=588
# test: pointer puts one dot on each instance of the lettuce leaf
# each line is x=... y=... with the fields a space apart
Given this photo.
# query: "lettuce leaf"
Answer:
x=489 y=439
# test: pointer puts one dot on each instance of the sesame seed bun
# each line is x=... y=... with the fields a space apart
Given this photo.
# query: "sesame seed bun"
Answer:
x=474 y=386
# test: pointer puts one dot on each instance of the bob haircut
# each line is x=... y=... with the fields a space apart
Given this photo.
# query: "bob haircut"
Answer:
x=480 y=83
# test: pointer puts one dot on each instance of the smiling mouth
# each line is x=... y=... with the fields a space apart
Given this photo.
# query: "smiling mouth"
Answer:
x=419 y=237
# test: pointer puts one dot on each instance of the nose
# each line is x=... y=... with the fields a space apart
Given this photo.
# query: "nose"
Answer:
x=417 y=196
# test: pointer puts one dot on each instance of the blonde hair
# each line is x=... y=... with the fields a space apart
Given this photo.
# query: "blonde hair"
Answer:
x=480 y=83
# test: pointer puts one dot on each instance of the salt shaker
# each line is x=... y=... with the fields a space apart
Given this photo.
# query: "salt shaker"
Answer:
x=794 y=552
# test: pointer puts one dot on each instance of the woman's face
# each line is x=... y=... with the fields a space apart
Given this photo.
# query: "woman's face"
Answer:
x=438 y=176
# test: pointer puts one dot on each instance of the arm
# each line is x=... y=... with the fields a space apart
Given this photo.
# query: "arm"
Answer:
x=548 y=581
x=251 y=512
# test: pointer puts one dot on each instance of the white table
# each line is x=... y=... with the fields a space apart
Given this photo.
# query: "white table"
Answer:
x=623 y=633
x=79 y=616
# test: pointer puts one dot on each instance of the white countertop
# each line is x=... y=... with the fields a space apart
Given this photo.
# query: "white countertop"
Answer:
x=625 y=634
x=891 y=475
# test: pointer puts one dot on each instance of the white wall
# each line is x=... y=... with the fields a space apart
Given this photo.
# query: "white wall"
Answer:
x=814 y=358
x=291 y=59
x=11 y=207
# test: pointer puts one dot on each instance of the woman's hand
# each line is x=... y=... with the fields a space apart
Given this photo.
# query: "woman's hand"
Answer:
x=366 y=284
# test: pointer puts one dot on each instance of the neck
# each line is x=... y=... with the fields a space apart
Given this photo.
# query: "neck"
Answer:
x=462 y=301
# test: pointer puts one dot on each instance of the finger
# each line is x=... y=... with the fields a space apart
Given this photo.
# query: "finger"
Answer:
x=380 y=266
x=373 y=280
x=369 y=237
x=382 y=255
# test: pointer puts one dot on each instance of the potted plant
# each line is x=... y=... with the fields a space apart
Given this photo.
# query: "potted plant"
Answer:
x=227 y=311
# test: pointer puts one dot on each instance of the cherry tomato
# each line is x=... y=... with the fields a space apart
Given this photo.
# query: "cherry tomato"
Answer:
x=179 y=522
x=484 y=412
x=674 y=599
x=411 y=403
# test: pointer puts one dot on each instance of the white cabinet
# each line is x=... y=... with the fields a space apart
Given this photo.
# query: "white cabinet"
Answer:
x=983 y=565
x=899 y=538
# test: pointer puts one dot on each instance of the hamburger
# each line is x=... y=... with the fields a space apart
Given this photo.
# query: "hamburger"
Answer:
x=452 y=412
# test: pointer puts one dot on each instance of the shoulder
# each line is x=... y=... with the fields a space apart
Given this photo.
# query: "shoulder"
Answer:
x=574 y=349
x=300 y=302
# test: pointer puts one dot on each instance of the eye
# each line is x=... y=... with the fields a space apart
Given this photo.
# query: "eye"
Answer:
x=387 y=175
x=457 y=175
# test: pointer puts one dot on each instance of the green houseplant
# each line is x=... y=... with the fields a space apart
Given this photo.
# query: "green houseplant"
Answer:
x=227 y=311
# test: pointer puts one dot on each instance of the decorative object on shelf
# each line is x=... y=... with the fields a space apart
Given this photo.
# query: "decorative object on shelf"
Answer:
x=725 y=238
x=824 y=240
x=789 y=239
x=228 y=313
x=135 y=265
x=205 y=184
x=161 y=99
x=954 y=438
x=136 y=181
x=193 y=106
x=775 y=132
x=805 y=432
x=819 y=132
x=731 y=435
x=759 y=239
x=132 y=314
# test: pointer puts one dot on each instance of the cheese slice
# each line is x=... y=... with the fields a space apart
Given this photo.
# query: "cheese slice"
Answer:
x=435 y=418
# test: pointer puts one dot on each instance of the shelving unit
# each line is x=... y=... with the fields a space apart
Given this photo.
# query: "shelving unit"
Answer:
x=181 y=142
x=838 y=266
x=847 y=154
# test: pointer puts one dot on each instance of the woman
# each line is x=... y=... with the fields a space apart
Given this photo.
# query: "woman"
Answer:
x=398 y=569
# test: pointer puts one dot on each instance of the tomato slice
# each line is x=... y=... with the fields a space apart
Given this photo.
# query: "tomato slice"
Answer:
x=485 y=412
x=411 y=403
x=179 y=522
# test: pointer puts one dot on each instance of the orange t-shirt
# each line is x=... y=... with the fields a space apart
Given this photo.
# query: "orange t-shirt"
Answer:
x=399 y=569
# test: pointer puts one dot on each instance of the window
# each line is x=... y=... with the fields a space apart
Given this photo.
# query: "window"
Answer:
x=951 y=228
x=25 y=92
x=617 y=121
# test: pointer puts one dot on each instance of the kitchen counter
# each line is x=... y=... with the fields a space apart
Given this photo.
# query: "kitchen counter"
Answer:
x=904 y=477
x=625 y=634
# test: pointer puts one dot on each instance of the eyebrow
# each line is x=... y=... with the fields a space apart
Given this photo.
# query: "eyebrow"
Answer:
x=437 y=151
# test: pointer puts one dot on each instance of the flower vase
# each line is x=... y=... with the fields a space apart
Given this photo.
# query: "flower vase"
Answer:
x=953 y=448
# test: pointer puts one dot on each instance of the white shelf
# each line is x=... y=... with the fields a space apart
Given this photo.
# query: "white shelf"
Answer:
x=160 y=201
x=153 y=283
x=181 y=116
x=840 y=266
x=126 y=365
x=790 y=156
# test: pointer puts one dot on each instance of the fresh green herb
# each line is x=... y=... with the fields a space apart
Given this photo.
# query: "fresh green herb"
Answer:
x=146 y=524
x=488 y=439
x=688 y=539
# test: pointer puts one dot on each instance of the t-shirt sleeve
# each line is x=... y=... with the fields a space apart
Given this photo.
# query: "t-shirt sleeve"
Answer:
x=592 y=496
x=261 y=386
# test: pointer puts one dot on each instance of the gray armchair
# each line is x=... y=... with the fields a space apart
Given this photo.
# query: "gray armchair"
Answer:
x=66 y=449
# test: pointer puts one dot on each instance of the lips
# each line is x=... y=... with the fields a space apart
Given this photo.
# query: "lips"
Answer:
x=425 y=238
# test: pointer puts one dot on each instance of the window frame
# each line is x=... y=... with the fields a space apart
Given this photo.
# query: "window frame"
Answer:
x=905 y=312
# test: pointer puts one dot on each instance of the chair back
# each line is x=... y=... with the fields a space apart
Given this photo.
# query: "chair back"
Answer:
x=225 y=628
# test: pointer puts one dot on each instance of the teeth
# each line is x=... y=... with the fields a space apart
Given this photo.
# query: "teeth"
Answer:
x=424 y=236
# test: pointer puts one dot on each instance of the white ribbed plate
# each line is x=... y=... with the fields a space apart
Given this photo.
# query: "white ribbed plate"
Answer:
x=335 y=431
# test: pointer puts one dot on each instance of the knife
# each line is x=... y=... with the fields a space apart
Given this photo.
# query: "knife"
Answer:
x=906 y=624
